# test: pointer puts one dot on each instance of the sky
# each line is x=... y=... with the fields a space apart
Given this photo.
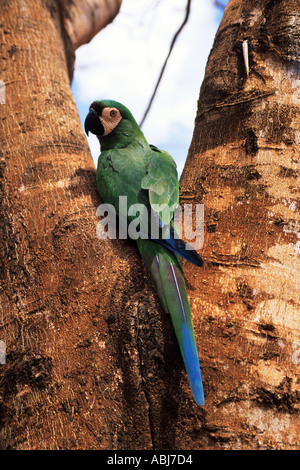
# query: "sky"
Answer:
x=123 y=61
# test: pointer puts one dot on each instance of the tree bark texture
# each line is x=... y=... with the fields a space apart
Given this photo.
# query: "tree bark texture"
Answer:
x=243 y=165
x=84 y=18
x=92 y=361
x=62 y=289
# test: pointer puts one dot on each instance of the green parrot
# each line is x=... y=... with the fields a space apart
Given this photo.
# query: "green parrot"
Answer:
x=129 y=166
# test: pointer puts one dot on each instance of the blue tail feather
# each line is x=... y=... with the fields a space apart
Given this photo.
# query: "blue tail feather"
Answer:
x=191 y=361
x=168 y=278
x=188 y=348
x=180 y=247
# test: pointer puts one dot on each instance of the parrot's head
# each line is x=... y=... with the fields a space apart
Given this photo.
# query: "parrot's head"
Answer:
x=105 y=116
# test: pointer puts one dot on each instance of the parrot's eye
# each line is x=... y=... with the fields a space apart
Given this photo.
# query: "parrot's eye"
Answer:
x=110 y=118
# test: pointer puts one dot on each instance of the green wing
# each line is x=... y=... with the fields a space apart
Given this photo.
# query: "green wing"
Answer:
x=161 y=181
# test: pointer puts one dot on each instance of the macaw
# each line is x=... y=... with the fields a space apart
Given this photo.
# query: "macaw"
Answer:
x=129 y=166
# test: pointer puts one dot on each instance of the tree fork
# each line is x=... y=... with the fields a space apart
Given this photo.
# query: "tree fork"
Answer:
x=91 y=360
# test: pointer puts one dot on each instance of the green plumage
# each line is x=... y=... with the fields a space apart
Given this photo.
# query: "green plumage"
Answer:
x=146 y=175
x=129 y=166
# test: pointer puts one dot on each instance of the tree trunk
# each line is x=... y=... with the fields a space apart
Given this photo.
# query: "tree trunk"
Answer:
x=63 y=291
x=91 y=359
x=243 y=165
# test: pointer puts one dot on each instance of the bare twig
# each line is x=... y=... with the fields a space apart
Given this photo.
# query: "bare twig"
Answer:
x=187 y=14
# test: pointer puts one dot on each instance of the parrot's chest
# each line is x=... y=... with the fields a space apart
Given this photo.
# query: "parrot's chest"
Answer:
x=119 y=174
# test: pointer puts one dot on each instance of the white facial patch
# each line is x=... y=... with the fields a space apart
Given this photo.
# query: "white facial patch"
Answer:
x=110 y=118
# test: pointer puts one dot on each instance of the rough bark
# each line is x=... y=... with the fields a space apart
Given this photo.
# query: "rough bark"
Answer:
x=243 y=165
x=62 y=289
x=92 y=362
x=84 y=18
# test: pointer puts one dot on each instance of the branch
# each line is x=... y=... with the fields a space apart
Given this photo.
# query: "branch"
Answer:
x=187 y=14
x=85 y=18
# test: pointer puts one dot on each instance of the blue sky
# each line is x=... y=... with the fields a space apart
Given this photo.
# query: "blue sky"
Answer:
x=124 y=60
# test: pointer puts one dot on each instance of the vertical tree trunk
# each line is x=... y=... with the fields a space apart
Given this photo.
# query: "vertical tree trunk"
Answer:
x=243 y=165
x=62 y=290
x=91 y=358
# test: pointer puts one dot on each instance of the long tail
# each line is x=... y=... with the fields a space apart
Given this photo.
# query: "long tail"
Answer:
x=167 y=276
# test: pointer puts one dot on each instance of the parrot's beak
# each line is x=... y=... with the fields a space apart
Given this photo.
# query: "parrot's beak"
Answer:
x=92 y=123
